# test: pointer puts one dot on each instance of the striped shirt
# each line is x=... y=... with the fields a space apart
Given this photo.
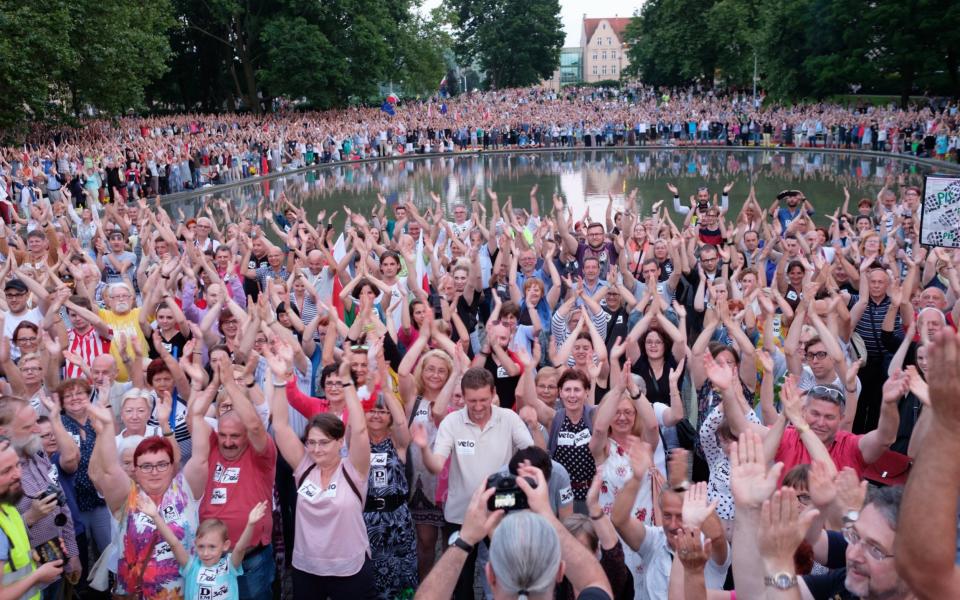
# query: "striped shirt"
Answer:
x=870 y=326
x=87 y=346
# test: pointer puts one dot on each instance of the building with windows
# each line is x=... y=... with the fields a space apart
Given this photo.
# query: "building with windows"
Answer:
x=569 y=72
x=603 y=50
x=602 y=54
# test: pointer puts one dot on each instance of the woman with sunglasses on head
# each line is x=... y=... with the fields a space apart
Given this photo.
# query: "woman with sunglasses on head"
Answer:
x=331 y=492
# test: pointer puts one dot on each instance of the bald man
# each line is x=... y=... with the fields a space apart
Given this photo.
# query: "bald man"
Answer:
x=241 y=470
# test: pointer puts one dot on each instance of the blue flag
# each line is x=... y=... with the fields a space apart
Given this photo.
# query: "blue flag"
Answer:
x=443 y=108
x=388 y=108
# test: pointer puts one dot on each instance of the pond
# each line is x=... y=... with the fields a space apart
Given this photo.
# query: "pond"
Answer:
x=584 y=178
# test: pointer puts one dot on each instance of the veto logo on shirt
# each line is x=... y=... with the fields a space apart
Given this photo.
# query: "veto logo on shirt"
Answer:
x=466 y=447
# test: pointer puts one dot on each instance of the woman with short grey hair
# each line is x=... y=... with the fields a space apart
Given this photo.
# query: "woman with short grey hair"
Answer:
x=524 y=556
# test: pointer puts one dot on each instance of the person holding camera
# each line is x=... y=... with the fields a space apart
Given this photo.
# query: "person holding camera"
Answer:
x=478 y=439
x=530 y=550
x=42 y=505
x=22 y=578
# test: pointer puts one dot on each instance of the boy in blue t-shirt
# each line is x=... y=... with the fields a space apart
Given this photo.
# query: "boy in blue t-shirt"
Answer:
x=212 y=571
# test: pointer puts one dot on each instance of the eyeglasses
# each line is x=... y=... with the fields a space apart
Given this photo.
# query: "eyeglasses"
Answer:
x=31 y=369
x=318 y=443
x=15 y=294
x=26 y=340
x=333 y=384
x=359 y=348
x=853 y=538
x=160 y=467
x=260 y=341
x=816 y=355
x=803 y=499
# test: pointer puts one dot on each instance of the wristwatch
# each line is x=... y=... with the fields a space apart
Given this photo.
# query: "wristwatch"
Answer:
x=780 y=581
x=850 y=517
x=456 y=540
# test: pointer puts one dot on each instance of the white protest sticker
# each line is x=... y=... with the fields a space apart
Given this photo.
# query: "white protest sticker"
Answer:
x=466 y=447
x=309 y=490
x=565 y=438
x=582 y=438
x=378 y=459
x=218 y=496
x=566 y=495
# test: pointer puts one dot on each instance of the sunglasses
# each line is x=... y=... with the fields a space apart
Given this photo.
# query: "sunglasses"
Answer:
x=823 y=391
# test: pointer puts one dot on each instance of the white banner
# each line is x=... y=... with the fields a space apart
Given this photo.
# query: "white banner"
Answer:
x=940 y=216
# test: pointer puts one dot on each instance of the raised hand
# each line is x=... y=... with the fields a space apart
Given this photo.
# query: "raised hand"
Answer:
x=147 y=506
x=750 y=480
x=693 y=553
x=418 y=435
x=821 y=485
x=257 y=512
x=851 y=490
x=641 y=457
x=164 y=406
x=782 y=527
x=719 y=374
x=696 y=510
x=676 y=374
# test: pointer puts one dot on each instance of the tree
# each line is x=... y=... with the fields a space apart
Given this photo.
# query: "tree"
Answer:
x=670 y=43
x=31 y=55
x=516 y=42
x=119 y=47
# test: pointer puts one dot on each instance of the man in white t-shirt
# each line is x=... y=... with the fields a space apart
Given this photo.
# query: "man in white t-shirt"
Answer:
x=655 y=545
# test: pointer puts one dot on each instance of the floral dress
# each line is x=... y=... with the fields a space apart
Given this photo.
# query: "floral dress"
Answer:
x=616 y=472
x=423 y=488
x=147 y=567
x=393 y=541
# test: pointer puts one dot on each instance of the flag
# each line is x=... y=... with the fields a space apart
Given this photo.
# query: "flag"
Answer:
x=339 y=251
x=388 y=108
x=421 y=266
x=443 y=108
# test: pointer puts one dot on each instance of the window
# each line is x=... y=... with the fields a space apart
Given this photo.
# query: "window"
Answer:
x=604 y=69
x=609 y=43
x=613 y=54
x=604 y=25
x=613 y=70
x=595 y=56
x=594 y=69
x=599 y=41
x=604 y=55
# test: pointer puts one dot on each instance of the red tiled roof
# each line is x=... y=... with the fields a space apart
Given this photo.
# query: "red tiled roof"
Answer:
x=618 y=24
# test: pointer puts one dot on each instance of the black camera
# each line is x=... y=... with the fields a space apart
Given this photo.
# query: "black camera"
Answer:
x=703 y=206
x=55 y=490
x=508 y=495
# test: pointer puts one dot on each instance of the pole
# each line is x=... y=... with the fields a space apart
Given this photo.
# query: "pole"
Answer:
x=755 y=79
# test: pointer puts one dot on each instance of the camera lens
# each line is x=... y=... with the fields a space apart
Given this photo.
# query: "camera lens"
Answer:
x=60 y=520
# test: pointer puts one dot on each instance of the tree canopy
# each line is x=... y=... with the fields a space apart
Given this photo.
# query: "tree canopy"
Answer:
x=515 y=42
x=803 y=48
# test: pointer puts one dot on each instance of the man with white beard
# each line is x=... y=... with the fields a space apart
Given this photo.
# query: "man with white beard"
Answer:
x=41 y=514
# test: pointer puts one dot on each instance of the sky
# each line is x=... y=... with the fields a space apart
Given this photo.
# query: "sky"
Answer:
x=571 y=13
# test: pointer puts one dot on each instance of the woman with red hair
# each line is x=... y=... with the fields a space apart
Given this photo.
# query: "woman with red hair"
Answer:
x=145 y=564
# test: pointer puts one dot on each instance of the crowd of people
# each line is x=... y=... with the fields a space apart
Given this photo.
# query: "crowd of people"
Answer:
x=143 y=156
x=705 y=398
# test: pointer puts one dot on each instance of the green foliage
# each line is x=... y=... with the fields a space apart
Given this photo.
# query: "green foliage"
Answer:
x=58 y=57
x=515 y=42
x=804 y=48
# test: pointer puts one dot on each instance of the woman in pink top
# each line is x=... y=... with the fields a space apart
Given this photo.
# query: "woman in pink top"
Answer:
x=331 y=555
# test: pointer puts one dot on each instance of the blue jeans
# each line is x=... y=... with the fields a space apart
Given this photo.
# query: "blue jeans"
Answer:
x=256 y=583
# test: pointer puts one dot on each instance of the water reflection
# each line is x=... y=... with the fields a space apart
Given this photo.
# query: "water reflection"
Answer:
x=584 y=178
